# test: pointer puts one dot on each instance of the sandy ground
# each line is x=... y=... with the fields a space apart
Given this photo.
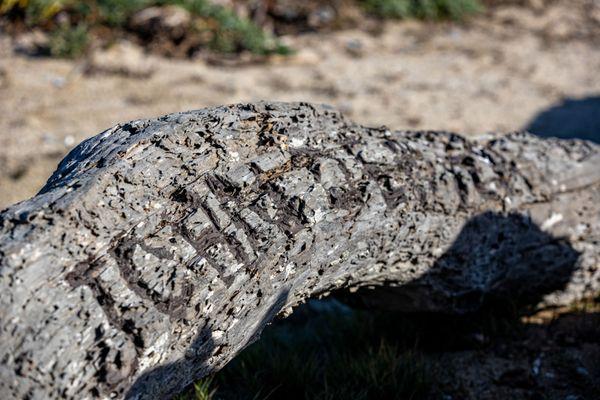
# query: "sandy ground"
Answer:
x=498 y=72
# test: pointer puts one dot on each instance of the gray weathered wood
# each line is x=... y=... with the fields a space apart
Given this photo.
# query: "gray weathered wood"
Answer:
x=160 y=248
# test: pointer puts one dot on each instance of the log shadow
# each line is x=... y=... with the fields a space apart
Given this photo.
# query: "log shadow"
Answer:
x=195 y=361
x=471 y=315
x=497 y=262
x=498 y=268
x=571 y=119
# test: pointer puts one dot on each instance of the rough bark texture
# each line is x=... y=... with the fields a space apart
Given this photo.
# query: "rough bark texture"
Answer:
x=160 y=248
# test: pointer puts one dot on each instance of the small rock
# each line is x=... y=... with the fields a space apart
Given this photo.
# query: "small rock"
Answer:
x=123 y=58
x=355 y=48
x=32 y=43
x=479 y=337
x=69 y=141
x=321 y=17
x=172 y=21
x=48 y=138
x=63 y=19
x=537 y=363
x=537 y=5
x=58 y=81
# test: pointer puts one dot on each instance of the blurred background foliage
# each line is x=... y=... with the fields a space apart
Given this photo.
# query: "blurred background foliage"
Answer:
x=73 y=23
x=192 y=25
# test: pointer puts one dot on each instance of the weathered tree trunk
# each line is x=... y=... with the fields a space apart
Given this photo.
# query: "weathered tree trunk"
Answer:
x=160 y=248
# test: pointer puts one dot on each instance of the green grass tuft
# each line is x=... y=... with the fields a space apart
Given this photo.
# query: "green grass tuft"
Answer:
x=202 y=390
x=232 y=33
x=423 y=9
x=69 y=41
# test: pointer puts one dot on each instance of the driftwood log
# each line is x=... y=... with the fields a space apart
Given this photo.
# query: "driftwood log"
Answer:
x=160 y=248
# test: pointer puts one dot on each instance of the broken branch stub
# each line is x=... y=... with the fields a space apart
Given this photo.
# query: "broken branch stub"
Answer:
x=160 y=248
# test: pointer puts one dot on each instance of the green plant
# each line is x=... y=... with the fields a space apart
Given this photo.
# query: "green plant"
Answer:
x=227 y=32
x=69 y=41
x=230 y=33
x=202 y=390
x=425 y=9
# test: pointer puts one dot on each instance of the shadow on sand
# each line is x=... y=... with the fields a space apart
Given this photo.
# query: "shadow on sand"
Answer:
x=571 y=119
